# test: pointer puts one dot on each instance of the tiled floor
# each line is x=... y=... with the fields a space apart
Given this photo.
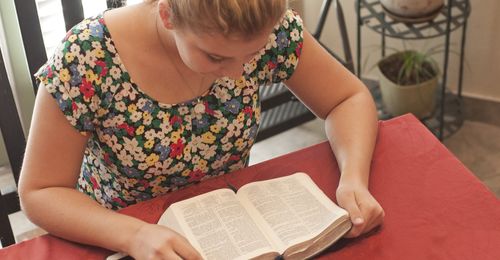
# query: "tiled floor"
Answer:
x=476 y=144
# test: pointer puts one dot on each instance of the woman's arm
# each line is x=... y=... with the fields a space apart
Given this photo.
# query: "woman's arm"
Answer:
x=340 y=98
x=49 y=198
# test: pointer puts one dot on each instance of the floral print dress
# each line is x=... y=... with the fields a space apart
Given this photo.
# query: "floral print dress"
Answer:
x=140 y=148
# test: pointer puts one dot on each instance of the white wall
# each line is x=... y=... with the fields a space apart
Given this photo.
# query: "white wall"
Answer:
x=482 y=51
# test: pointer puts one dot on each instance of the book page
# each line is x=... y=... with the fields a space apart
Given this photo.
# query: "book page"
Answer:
x=218 y=226
x=292 y=208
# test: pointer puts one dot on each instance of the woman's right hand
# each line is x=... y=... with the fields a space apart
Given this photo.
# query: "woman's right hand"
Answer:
x=158 y=242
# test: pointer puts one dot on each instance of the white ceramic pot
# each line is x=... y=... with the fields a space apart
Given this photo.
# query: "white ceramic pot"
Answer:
x=412 y=8
x=418 y=99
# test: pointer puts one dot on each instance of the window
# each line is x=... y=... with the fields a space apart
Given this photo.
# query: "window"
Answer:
x=52 y=19
x=51 y=23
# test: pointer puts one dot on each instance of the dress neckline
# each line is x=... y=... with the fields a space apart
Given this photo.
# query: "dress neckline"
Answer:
x=191 y=102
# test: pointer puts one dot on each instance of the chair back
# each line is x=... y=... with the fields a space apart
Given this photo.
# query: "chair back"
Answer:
x=15 y=143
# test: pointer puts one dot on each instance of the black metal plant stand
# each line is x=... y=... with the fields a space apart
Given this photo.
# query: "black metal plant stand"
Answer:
x=452 y=16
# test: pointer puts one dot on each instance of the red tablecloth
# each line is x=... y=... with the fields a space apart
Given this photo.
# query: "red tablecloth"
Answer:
x=435 y=207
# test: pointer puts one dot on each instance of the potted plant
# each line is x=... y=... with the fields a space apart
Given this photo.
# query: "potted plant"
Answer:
x=408 y=83
x=412 y=10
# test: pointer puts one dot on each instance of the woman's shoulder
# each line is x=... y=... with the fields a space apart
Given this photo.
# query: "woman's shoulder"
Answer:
x=96 y=28
x=287 y=33
x=84 y=45
x=77 y=73
x=277 y=61
x=292 y=16
x=89 y=29
x=85 y=39
x=289 y=21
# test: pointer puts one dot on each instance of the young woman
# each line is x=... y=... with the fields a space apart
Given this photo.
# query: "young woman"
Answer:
x=164 y=94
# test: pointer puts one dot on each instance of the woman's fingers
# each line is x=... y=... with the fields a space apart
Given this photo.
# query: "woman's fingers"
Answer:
x=185 y=250
x=159 y=242
x=365 y=212
x=347 y=200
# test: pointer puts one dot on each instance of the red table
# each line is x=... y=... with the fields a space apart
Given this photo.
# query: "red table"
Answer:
x=435 y=207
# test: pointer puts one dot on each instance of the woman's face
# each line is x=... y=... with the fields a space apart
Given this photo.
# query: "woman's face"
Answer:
x=218 y=55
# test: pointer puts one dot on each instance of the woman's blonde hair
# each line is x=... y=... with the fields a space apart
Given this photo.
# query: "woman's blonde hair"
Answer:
x=229 y=17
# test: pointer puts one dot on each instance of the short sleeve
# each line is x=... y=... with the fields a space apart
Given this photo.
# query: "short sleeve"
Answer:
x=280 y=57
x=75 y=74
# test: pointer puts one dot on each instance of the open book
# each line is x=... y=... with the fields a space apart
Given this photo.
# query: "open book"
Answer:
x=288 y=216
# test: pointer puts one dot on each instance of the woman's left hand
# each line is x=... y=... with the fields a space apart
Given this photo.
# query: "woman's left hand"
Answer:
x=365 y=212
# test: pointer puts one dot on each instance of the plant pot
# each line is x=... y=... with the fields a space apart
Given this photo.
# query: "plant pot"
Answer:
x=412 y=10
x=418 y=99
